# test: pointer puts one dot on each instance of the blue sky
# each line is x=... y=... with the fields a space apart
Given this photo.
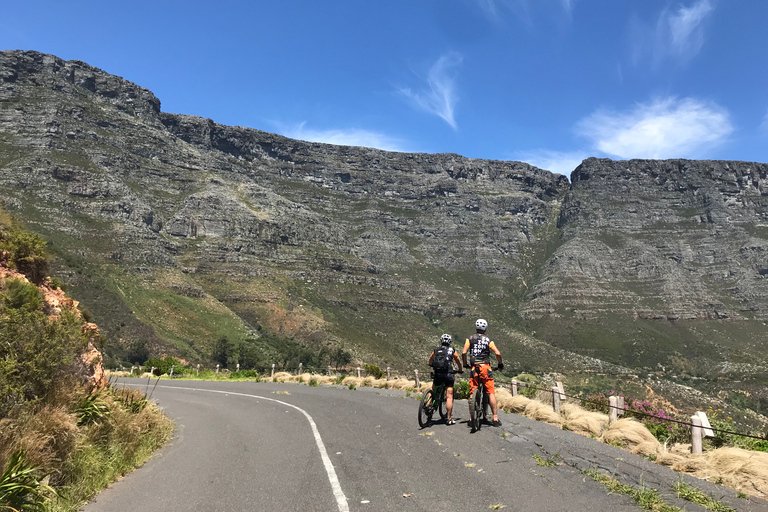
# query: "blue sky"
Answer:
x=545 y=81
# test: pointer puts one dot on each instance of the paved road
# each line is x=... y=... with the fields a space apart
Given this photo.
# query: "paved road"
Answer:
x=268 y=446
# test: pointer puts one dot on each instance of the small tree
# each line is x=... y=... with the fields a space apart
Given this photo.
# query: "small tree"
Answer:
x=224 y=352
x=138 y=352
x=341 y=357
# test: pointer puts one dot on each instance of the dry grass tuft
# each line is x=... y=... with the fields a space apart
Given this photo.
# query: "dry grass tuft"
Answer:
x=47 y=436
x=580 y=420
x=540 y=411
x=743 y=470
x=630 y=434
x=117 y=373
x=401 y=384
x=357 y=381
x=283 y=377
x=511 y=403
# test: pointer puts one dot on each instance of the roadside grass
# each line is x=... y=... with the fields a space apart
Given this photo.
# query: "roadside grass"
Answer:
x=84 y=441
x=645 y=498
x=690 y=493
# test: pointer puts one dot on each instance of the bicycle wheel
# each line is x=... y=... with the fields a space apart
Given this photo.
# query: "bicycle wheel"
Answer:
x=426 y=409
x=443 y=405
x=477 y=408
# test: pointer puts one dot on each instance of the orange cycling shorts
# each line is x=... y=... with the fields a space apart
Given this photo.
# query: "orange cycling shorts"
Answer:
x=482 y=373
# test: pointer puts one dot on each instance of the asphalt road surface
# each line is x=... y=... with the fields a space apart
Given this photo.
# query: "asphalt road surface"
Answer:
x=242 y=446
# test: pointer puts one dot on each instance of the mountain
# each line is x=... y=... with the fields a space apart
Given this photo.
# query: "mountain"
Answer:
x=176 y=231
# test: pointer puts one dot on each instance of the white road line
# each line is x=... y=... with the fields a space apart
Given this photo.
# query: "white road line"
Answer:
x=341 y=499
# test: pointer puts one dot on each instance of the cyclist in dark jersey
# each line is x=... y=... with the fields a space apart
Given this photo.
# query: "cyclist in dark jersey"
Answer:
x=447 y=377
x=480 y=347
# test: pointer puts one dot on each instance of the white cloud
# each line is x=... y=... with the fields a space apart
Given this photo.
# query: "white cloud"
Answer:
x=351 y=137
x=685 y=28
x=678 y=34
x=439 y=98
x=664 y=128
x=561 y=162
x=764 y=125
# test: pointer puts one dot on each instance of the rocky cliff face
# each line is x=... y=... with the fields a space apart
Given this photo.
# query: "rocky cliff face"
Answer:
x=180 y=230
x=674 y=239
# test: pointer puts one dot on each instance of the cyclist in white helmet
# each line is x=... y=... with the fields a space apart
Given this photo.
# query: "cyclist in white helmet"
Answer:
x=441 y=360
x=480 y=347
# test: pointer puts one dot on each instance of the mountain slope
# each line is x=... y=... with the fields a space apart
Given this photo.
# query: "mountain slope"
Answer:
x=179 y=231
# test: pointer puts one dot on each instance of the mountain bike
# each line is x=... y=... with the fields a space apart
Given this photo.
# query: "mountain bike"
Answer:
x=478 y=407
x=432 y=401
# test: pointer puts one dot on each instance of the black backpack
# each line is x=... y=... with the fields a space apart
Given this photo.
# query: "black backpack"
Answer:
x=441 y=362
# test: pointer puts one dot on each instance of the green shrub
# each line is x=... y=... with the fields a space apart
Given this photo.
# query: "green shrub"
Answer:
x=18 y=294
x=314 y=382
x=338 y=379
x=352 y=386
x=20 y=487
x=35 y=351
x=27 y=252
x=461 y=390
x=246 y=374
x=90 y=408
x=163 y=366
x=58 y=283
x=373 y=370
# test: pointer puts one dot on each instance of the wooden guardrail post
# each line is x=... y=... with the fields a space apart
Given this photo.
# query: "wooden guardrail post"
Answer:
x=217 y=369
x=329 y=370
x=273 y=371
x=358 y=372
x=237 y=367
x=416 y=372
x=301 y=368
x=152 y=371
x=389 y=373
x=513 y=387
x=613 y=408
x=561 y=390
x=198 y=369
x=173 y=366
x=556 y=399
x=696 y=434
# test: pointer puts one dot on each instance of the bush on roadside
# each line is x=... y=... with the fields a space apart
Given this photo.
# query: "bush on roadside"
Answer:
x=374 y=371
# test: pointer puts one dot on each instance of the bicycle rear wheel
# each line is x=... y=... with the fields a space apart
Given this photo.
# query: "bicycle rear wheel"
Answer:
x=443 y=405
x=475 y=402
x=426 y=409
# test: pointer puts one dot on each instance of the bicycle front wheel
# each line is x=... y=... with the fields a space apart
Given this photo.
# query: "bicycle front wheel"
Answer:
x=426 y=409
x=475 y=403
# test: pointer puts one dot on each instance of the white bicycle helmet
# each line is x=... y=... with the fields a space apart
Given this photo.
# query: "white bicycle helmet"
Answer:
x=445 y=339
x=481 y=324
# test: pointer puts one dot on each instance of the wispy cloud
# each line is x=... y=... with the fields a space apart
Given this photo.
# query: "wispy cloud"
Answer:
x=664 y=128
x=496 y=10
x=678 y=34
x=561 y=162
x=439 y=97
x=351 y=137
x=764 y=124
x=489 y=8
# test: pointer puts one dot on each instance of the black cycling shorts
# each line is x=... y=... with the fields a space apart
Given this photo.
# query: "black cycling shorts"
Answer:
x=445 y=378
